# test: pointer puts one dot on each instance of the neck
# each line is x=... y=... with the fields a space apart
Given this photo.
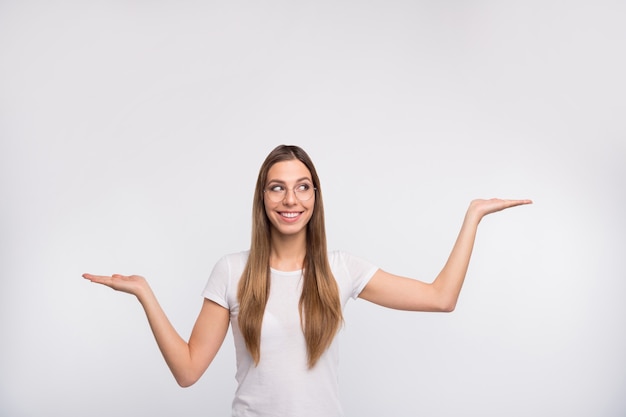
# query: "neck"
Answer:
x=288 y=252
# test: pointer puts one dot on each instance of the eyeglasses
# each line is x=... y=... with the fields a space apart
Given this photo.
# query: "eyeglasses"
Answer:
x=277 y=192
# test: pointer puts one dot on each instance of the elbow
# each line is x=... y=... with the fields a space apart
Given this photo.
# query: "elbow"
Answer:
x=441 y=308
x=185 y=381
x=446 y=306
x=184 y=384
x=443 y=300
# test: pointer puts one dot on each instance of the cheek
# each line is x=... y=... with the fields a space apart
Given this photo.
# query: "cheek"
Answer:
x=311 y=208
x=267 y=208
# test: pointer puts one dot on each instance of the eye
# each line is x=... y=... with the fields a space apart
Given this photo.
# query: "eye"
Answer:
x=276 y=188
x=303 y=187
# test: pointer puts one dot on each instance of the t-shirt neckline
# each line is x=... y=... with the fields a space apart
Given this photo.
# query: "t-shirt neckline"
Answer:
x=286 y=273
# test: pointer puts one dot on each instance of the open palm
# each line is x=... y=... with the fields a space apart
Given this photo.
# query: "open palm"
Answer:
x=132 y=284
x=483 y=207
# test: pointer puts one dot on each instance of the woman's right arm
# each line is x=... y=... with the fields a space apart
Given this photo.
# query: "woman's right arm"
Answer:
x=186 y=360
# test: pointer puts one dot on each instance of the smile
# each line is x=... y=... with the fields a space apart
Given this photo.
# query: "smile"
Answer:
x=290 y=214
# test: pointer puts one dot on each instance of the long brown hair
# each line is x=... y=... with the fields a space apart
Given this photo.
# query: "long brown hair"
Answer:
x=320 y=307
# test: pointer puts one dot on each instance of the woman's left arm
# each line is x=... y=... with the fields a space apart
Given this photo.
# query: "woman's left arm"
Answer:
x=401 y=293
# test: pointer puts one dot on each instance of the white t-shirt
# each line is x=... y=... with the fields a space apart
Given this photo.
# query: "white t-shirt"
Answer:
x=282 y=385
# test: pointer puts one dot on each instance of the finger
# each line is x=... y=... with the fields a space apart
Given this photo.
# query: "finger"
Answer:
x=98 y=279
x=510 y=203
x=513 y=203
x=91 y=277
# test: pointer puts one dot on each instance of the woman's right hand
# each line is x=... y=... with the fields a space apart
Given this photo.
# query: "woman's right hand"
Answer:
x=186 y=360
x=131 y=284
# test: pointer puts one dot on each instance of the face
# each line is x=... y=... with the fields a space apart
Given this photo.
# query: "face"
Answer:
x=290 y=215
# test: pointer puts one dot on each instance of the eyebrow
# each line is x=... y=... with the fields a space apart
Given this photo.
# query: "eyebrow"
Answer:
x=298 y=180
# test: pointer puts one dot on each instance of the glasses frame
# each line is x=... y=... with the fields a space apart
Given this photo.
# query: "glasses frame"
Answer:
x=286 y=190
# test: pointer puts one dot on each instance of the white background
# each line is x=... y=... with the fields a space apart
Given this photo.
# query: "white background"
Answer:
x=131 y=137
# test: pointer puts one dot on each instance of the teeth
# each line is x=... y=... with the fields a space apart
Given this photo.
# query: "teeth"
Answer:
x=289 y=215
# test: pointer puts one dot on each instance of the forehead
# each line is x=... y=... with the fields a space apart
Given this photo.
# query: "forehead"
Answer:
x=288 y=171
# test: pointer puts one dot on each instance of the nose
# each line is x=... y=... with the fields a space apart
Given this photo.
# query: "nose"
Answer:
x=290 y=197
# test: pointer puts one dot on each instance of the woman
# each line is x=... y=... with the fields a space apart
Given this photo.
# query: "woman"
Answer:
x=284 y=297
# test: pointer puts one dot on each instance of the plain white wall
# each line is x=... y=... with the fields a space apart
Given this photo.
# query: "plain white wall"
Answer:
x=132 y=132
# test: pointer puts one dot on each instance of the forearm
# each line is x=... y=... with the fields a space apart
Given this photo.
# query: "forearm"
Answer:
x=449 y=281
x=174 y=349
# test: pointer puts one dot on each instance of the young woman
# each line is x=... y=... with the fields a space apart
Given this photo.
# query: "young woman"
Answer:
x=284 y=297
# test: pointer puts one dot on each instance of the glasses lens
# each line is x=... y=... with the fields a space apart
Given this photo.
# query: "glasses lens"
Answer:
x=304 y=192
x=276 y=194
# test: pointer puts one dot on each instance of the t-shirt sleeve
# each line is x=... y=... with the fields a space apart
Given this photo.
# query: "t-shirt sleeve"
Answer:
x=216 y=288
x=359 y=270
